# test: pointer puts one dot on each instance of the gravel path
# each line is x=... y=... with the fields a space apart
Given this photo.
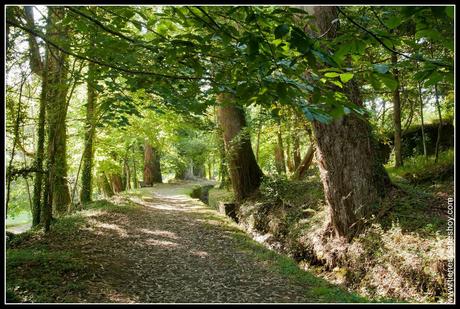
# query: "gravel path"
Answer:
x=176 y=249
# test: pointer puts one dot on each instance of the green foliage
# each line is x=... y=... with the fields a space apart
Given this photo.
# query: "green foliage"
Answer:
x=419 y=168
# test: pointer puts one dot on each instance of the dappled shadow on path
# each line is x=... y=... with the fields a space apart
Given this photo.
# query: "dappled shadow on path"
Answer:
x=174 y=249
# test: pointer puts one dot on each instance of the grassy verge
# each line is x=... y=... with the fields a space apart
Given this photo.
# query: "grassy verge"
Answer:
x=319 y=289
x=46 y=268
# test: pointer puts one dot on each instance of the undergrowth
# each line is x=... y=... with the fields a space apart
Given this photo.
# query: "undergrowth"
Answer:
x=401 y=256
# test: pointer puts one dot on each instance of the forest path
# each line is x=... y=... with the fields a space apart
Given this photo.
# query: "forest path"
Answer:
x=158 y=245
x=176 y=249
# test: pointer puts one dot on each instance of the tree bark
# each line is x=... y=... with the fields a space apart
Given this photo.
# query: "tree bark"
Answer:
x=116 y=182
x=245 y=174
x=302 y=169
x=126 y=173
x=104 y=185
x=36 y=64
x=88 y=153
x=135 y=183
x=279 y=155
x=57 y=194
x=438 y=107
x=296 y=151
x=353 y=175
x=152 y=168
x=224 y=177
x=421 y=118
x=397 y=115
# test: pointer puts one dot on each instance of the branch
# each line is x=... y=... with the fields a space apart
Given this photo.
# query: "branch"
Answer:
x=111 y=31
x=36 y=63
x=441 y=64
x=104 y=64
x=215 y=23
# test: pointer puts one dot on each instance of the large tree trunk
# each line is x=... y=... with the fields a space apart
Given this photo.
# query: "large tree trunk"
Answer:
x=152 y=168
x=397 y=115
x=352 y=174
x=88 y=153
x=58 y=196
x=245 y=173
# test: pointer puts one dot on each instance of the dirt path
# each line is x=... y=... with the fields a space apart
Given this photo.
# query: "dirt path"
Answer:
x=172 y=249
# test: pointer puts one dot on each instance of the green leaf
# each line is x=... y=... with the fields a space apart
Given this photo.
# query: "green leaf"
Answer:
x=300 y=41
x=429 y=33
x=332 y=74
x=340 y=54
x=381 y=68
x=433 y=79
x=393 y=21
x=281 y=31
x=345 y=77
x=375 y=81
x=389 y=81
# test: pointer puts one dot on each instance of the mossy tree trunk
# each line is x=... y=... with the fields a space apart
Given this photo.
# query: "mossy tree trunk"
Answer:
x=57 y=63
x=245 y=174
x=353 y=176
x=36 y=64
x=88 y=153
x=57 y=194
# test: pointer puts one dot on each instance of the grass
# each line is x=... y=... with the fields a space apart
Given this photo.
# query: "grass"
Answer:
x=40 y=275
x=419 y=169
x=39 y=269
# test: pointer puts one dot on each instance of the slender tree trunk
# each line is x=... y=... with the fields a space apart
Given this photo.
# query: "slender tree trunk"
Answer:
x=104 y=184
x=224 y=177
x=88 y=153
x=117 y=182
x=152 y=168
x=352 y=174
x=244 y=171
x=37 y=65
x=136 y=183
x=126 y=173
x=15 y=141
x=259 y=130
x=279 y=154
x=438 y=107
x=421 y=118
x=302 y=169
x=397 y=114
x=296 y=150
